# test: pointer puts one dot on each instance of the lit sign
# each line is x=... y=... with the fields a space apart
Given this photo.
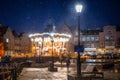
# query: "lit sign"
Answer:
x=79 y=48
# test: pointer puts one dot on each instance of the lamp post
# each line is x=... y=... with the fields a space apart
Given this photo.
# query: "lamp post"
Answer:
x=52 y=40
x=39 y=50
x=51 y=67
x=78 y=10
x=52 y=53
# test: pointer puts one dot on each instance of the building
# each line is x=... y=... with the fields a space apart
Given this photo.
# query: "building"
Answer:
x=109 y=40
x=97 y=41
x=17 y=48
x=25 y=43
x=12 y=43
x=65 y=28
x=90 y=40
x=7 y=39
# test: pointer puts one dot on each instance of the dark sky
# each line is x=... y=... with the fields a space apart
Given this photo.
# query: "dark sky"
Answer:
x=33 y=15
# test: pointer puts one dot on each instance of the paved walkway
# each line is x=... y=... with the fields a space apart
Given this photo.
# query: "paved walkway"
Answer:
x=43 y=74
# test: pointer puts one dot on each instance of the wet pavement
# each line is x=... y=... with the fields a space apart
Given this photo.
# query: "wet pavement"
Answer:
x=43 y=74
x=61 y=74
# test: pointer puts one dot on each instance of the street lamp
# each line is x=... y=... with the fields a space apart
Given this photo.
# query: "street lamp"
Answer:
x=51 y=67
x=52 y=35
x=78 y=10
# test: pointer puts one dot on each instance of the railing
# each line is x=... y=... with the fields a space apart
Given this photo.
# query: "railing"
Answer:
x=4 y=72
x=10 y=72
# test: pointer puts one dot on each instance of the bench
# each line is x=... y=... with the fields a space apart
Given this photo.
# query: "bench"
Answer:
x=91 y=73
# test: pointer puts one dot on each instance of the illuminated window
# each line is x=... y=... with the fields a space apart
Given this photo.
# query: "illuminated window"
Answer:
x=83 y=39
x=96 y=38
x=92 y=38
x=7 y=40
x=119 y=50
x=107 y=37
x=88 y=39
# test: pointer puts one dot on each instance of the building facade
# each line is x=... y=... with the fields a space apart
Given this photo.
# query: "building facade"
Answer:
x=16 y=42
x=25 y=43
x=90 y=40
x=8 y=39
x=98 y=41
x=68 y=30
x=109 y=40
x=11 y=43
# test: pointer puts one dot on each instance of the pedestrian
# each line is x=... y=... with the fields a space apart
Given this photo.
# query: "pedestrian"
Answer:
x=67 y=63
x=0 y=59
x=95 y=69
x=61 y=59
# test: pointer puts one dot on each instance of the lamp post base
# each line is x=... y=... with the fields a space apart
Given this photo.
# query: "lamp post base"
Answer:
x=52 y=68
x=73 y=77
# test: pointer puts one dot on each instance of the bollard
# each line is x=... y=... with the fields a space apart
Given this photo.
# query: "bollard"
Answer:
x=14 y=73
x=3 y=75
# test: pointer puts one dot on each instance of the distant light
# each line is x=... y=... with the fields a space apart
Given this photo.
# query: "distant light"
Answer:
x=7 y=40
x=52 y=34
x=78 y=8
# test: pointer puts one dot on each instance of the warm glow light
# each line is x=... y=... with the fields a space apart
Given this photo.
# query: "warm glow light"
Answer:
x=52 y=34
x=78 y=7
x=43 y=41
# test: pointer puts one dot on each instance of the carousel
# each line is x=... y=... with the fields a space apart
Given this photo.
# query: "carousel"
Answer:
x=49 y=44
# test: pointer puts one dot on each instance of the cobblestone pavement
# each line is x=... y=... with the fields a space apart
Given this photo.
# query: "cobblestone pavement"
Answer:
x=43 y=74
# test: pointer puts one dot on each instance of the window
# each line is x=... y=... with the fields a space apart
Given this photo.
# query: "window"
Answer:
x=7 y=40
x=83 y=39
x=88 y=38
x=87 y=45
x=113 y=43
x=102 y=44
x=119 y=51
x=92 y=45
x=92 y=38
x=106 y=43
x=110 y=31
x=106 y=37
x=96 y=38
x=111 y=37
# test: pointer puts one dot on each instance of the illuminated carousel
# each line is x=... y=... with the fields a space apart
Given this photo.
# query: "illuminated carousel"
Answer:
x=50 y=44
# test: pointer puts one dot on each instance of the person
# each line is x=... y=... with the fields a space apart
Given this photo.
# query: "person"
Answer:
x=61 y=59
x=95 y=69
x=0 y=59
x=67 y=63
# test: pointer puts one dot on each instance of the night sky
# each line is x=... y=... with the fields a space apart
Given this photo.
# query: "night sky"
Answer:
x=33 y=15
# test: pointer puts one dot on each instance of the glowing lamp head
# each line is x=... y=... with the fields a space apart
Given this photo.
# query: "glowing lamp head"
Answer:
x=78 y=8
x=52 y=34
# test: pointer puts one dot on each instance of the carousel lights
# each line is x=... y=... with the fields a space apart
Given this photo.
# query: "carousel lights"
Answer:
x=39 y=42
x=31 y=35
x=56 y=34
x=32 y=39
x=57 y=37
x=36 y=39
